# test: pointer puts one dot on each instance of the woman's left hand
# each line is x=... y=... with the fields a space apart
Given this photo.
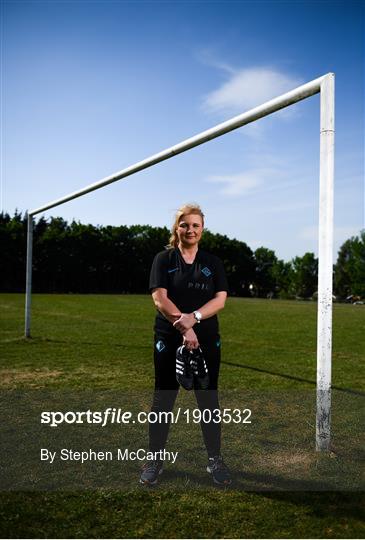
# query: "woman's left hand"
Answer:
x=185 y=322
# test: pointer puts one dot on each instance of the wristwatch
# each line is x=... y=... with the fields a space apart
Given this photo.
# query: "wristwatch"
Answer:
x=198 y=316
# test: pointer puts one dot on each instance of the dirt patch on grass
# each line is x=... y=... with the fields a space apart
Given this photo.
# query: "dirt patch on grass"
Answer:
x=284 y=459
x=35 y=378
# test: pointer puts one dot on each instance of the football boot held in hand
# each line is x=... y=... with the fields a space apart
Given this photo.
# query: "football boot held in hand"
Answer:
x=191 y=369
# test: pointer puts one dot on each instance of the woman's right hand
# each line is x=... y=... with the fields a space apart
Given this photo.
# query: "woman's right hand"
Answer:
x=190 y=340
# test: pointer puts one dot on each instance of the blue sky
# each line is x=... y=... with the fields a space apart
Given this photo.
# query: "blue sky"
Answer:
x=89 y=88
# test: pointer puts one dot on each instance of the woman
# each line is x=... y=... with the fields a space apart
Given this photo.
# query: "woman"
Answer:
x=189 y=288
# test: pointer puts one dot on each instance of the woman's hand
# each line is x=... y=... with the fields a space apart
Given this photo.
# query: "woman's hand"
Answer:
x=174 y=317
x=185 y=322
x=190 y=340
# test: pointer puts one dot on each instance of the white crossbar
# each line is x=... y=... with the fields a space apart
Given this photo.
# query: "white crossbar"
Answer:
x=324 y=85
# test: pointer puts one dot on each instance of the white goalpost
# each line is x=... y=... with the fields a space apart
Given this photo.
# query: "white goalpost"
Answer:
x=325 y=87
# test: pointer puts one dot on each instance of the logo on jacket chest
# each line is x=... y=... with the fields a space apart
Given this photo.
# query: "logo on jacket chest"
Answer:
x=206 y=271
x=197 y=279
x=198 y=285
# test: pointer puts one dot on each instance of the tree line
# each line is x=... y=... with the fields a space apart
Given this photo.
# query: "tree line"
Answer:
x=77 y=258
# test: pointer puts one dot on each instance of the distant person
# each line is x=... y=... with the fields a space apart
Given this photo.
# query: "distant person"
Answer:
x=189 y=287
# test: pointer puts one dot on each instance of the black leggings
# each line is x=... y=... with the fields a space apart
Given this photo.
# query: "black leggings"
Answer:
x=167 y=387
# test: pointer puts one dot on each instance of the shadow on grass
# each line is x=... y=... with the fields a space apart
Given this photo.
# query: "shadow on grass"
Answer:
x=329 y=504
x=109 y=514
x=291 y=377
x=275 y=482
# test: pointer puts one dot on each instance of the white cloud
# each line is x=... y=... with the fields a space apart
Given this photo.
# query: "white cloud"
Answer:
x=266 y=174
x=242 y=183
x=208 y=58
x=247 y=88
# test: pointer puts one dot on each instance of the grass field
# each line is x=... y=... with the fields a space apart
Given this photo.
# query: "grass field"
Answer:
x=101 y=346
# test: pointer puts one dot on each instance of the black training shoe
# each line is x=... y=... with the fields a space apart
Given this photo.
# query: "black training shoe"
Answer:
x=184 y=372
x=150 y=473
x=220 y=472
x=200 y=370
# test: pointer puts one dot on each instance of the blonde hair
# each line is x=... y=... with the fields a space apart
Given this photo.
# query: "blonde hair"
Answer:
x=184 y=210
